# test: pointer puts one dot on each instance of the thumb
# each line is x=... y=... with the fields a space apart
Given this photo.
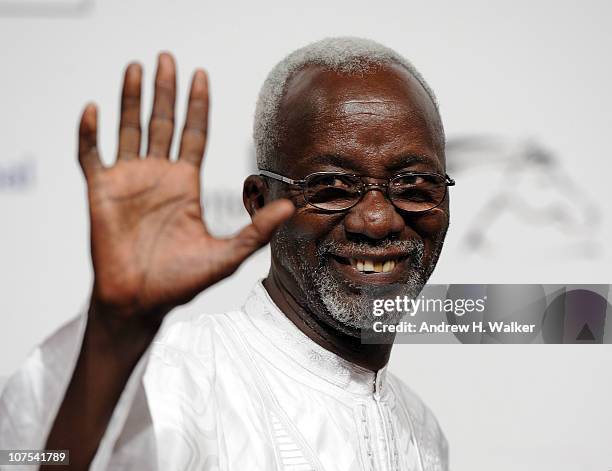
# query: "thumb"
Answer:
x=88 y=143
x=262 y=228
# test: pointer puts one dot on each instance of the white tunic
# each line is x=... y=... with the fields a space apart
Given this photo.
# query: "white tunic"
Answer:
x=245 y=390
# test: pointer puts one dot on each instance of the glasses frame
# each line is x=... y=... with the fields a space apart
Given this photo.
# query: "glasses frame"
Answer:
x=448 y=181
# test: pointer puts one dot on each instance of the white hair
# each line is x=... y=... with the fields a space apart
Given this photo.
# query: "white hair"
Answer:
x=343 y=54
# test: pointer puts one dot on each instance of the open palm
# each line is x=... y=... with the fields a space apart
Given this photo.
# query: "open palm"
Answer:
x=150 y=247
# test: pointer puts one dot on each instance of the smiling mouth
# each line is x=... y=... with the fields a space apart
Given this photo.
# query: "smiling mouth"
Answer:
x=369 y=265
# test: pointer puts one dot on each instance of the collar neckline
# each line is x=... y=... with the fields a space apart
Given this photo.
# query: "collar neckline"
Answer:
x=284 y=336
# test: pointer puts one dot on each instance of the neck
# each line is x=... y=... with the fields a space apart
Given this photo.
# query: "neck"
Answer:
x=370 y=356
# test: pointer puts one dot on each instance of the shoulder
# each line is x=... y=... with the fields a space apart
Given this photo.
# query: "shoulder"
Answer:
x=431 y=439
x=34 y=392
x=183 y=367
x=185 y=350
x=196 y=336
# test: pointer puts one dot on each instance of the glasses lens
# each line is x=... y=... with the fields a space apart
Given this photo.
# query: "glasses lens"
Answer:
x=417 y=192
x=332 y=191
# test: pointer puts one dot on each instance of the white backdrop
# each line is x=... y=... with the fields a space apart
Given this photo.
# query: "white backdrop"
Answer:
x=514 y=79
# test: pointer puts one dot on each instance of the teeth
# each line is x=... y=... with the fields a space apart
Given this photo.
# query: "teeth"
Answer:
x=370 y=266
x=388 y=266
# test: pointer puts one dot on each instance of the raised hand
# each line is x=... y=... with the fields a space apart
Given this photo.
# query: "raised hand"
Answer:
x=150 y=247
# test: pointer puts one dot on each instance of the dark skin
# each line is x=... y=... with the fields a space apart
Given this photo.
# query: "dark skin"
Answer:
x=378 y=126
x=151 y=250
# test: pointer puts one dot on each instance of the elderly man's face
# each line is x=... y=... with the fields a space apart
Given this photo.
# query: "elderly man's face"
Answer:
x=378 y=125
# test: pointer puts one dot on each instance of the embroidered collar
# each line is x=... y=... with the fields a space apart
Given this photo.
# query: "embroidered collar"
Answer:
x=282 y=343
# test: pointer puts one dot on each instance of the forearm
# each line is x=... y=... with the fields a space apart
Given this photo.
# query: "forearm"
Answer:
x=110 y=351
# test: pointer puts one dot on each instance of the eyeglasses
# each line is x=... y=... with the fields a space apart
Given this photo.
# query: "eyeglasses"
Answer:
x=414 y=192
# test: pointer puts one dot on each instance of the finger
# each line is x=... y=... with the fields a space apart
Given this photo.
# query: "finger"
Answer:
x=129 y=124
x=89 y=157
x=193 y=139
x=260 y=231
x=161 y=125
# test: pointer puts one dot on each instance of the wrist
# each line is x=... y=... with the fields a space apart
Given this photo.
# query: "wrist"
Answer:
x=111 y=332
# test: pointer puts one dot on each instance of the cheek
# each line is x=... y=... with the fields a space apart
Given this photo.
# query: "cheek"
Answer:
x=309 y=228
x=431 y=226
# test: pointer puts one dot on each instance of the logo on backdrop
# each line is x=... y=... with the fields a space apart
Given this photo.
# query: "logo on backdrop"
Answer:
x=526 y=192
x=45 y=8
x=17 y=175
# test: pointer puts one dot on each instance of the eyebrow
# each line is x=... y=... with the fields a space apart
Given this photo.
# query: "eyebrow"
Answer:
x=397 y=163
x=407 y=160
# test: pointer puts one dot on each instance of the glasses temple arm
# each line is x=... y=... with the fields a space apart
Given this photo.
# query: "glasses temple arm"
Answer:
x=279 y=177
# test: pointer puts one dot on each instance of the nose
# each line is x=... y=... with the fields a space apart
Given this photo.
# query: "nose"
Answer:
x=374 y=217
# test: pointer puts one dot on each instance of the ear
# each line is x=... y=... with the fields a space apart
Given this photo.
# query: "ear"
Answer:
x=255 y=194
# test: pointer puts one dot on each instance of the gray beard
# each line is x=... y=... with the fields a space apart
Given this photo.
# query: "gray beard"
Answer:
x=349 y=307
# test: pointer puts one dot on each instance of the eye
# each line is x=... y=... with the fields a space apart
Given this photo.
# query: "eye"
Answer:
x=408 y=180
x=338 y=182
x=332 y=191
x=417 y=192
x=333 y=181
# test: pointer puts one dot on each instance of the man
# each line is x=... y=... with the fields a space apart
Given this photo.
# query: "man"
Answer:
x=352 y=196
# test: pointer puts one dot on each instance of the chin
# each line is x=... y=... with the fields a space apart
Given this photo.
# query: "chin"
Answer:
x=347 y=304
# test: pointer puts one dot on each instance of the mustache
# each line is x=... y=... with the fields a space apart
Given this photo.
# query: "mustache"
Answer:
x=414 y=248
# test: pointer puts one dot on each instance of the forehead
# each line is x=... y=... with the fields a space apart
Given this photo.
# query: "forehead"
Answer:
x=368 y=122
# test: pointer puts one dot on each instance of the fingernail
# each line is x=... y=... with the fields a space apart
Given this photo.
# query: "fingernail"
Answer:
x=165 y=58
